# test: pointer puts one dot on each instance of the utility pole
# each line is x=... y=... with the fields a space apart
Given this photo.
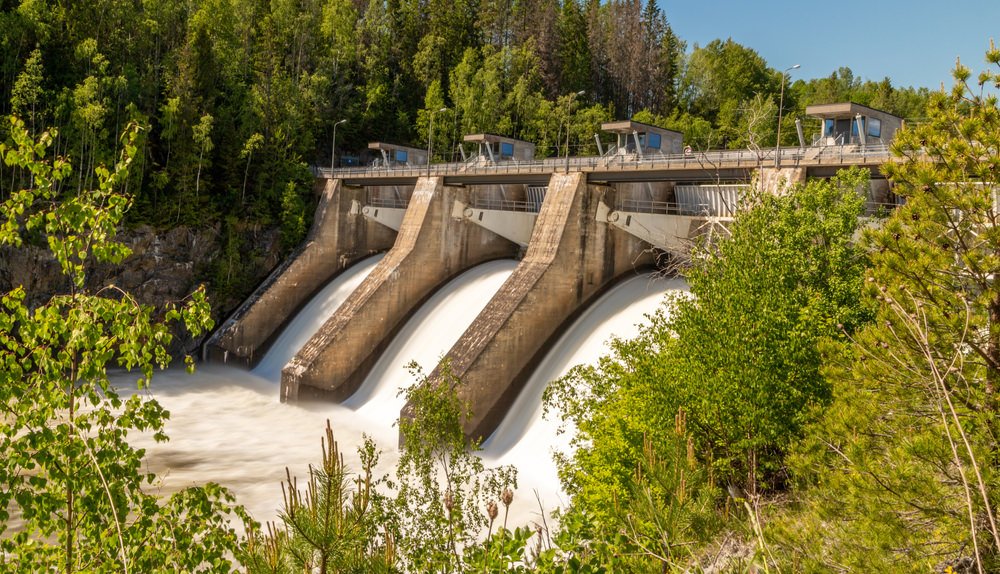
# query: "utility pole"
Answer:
x=569 y=110
x=781 y=103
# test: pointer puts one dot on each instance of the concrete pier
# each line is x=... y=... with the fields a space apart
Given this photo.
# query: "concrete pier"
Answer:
x=335 y=241
x=571 y=258
x=431 y=248
x=778 y=181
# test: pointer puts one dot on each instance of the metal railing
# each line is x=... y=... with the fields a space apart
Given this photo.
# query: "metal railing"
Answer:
x=648 y=206
x=506 y=205
x=395 y=202
x=788 y=157
x=673 y=208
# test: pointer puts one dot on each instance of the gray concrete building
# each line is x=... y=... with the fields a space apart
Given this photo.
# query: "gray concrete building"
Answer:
x=848 y=123
x=643 y=139
x=495 y=148
x=393 y=155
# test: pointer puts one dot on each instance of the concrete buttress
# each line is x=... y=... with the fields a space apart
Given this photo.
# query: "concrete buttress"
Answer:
x=431 y=248
x=571 y=258
x=335 y=241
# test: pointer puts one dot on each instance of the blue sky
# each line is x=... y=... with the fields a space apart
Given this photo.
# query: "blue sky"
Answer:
x=912 y=42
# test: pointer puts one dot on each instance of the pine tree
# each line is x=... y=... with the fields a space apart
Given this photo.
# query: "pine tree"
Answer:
x=905 y=462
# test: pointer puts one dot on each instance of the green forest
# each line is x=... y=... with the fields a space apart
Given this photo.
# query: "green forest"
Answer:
x=825 y=401
x=236 y=99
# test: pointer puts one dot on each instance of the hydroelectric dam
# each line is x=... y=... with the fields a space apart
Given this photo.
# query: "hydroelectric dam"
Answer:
x=575 y=226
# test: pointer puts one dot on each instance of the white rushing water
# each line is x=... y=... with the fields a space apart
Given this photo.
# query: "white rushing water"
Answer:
x=526 y=439
x=227 y=425
x=311 y=317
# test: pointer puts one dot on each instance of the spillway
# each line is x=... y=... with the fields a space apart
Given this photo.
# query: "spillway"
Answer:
x=526 y=439
x=311 y=317
x=427 y=336
x=227 y=425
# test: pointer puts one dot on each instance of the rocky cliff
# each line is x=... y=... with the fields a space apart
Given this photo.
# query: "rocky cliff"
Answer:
x=165 y=266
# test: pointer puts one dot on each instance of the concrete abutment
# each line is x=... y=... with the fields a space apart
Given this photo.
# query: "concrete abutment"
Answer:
x=430 y=249
x=335 y=241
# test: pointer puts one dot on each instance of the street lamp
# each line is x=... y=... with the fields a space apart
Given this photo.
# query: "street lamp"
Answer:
x=333 y=148
x=781 y=102
x=569 y=109
x=430 y=139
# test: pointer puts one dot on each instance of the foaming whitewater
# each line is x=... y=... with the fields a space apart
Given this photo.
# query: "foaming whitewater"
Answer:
x=311 y=317
x=526 y=439
x=227 y=425
x=427 y=336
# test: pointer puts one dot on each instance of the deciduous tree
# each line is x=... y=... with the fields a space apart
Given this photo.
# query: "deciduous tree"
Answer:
x=738 y=361
x=77 y=489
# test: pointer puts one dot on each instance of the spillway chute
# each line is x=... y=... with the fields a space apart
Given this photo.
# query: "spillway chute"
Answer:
x=428 y=335
x=311 y=317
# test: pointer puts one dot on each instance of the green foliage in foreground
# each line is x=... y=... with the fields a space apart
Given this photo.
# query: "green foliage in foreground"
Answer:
x=76 y=491
x=442 y=488
x=329 y=526
x=902 y=471
x=429 y=518
x=720 y=384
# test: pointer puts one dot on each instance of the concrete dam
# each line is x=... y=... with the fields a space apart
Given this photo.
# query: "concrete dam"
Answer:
x=576 y=227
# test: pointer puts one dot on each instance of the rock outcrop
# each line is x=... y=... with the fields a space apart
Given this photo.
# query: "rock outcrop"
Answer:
x=165 y=267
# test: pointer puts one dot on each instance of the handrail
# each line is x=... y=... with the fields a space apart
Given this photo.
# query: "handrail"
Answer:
x=673 y=208
x=395 y=202
x=506 y=205
x=851 y=154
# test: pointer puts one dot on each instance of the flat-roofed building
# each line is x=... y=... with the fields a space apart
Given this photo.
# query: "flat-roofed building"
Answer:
x=497 y=148
x=849 y=123
x=393 y=155
x=643 y=139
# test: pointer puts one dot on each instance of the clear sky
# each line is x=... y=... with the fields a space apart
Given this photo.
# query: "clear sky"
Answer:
x=913 y=42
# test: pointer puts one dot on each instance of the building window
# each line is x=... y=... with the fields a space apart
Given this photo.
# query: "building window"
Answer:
x=828 y=127
x=874 y=128
x=854 y=127
x=400 y=156
x=653 y=141
x=506 y=150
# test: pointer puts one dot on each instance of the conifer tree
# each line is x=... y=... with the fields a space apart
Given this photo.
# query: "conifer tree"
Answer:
x=905 y=462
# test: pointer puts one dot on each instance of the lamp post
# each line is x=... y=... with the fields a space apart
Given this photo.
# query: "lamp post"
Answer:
x=781 y=103
x=430 y=139
x=569 y=109
x=333 y=147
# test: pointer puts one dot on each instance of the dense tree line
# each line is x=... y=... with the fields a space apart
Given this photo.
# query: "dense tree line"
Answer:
x=238 y=97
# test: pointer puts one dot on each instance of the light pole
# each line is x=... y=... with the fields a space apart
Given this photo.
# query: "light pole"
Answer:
x=781 y=103
x=569 y=109
x=333 y=148
x=430 y=139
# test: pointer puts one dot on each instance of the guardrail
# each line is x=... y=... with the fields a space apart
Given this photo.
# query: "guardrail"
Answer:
x=507 y=205
x=787 y=157
x=674 y=208
x=388 y=202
